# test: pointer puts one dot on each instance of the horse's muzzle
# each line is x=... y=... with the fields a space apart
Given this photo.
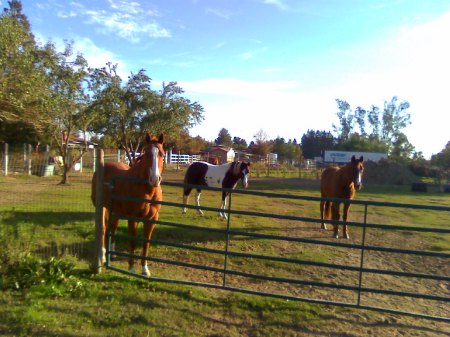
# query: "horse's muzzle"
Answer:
x=155 y=182
x=244 y=182
x=358 y=186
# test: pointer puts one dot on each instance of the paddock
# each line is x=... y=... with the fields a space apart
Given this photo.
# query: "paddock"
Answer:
x=51 y=220
x=393 y=263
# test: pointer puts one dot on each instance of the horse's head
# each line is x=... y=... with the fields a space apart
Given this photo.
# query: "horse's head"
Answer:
x=357 y=171
x=242 y=170
x=154 y=153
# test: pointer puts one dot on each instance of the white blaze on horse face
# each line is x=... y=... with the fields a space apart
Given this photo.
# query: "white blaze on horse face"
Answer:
x=359 y=180
x=154 y=178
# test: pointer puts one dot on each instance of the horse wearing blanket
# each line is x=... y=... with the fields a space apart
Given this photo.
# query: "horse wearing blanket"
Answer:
x=222 y=176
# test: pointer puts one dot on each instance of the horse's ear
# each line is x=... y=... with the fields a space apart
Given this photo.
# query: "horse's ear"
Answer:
x=248 y=164
x=353 y=159
x=161 y=138
x=148 y=138
x=361 y=159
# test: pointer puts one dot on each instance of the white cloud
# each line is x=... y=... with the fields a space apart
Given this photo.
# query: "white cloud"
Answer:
x=232 y=88
x=277 y=3
x=98 y=57
x=244 y=107
x=222 y=13
x=412 y=64
x=251 y=54
x=129 y=21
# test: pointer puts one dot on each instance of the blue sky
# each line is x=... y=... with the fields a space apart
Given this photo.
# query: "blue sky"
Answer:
x=271 y=65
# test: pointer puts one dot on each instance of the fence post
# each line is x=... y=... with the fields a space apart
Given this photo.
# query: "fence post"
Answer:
x=227 y=245
x=98 y=253
x=361 y=265
x=29 y=159
x=81 y=160
x=6 y=159
x=94 y=160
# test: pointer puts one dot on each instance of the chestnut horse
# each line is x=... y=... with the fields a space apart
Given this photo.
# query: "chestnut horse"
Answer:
x=340 y=183
x=149 y=167
x=223 y=176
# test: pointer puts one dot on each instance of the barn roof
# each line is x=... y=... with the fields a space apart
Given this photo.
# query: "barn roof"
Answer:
x=217 y=148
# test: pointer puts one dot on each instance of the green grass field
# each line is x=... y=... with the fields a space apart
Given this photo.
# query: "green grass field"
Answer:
x=40 y=218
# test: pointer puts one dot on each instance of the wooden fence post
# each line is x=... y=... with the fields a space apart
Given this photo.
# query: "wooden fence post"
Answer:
x=6 y=159
x=94 y=160
x=99 y=171
x=28 y=163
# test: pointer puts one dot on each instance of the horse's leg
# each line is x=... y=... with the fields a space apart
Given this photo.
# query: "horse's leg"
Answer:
x=324 y=212
x=344 y=218
x=114 y=225
x=132 y=231
x=148 y=233
x=335 y=216
x=223 y=205
x=186 y=193
x=104 y=236
x=199 y=193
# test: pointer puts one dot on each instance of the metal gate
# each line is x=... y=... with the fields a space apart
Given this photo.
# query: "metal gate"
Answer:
x=366 y=283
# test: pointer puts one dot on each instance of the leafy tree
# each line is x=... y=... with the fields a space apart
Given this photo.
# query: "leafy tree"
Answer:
x=68 y=110
x=442 y=159
x=377 y=129
x=120 y=108
x=394 y=119
x=314 y=143
x=345 y=117
x=360 y=118
x=187 y=144
x=127 y=111
x=373 y=117
x=169 y=112
x=24 y=87
x=239 y=143
x=357 y=142
x=401 y=149
x=224 y=138
x=15 y=12
x=287 y=151
x=261 y=146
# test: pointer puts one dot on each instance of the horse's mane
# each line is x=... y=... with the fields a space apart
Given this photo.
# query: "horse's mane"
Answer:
x=235 y=166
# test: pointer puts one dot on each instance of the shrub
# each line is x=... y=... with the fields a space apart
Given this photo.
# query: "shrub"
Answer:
x=19 y=270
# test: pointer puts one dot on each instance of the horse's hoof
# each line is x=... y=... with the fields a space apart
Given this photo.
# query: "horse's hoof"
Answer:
x=346 y=236
x=103 y=254
x=132 y=270
x=336 y=236
x=324 y=227
x=145 y=271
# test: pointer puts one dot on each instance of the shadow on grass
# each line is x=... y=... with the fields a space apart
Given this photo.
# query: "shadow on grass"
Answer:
x=44 y=219
x=51 y=234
